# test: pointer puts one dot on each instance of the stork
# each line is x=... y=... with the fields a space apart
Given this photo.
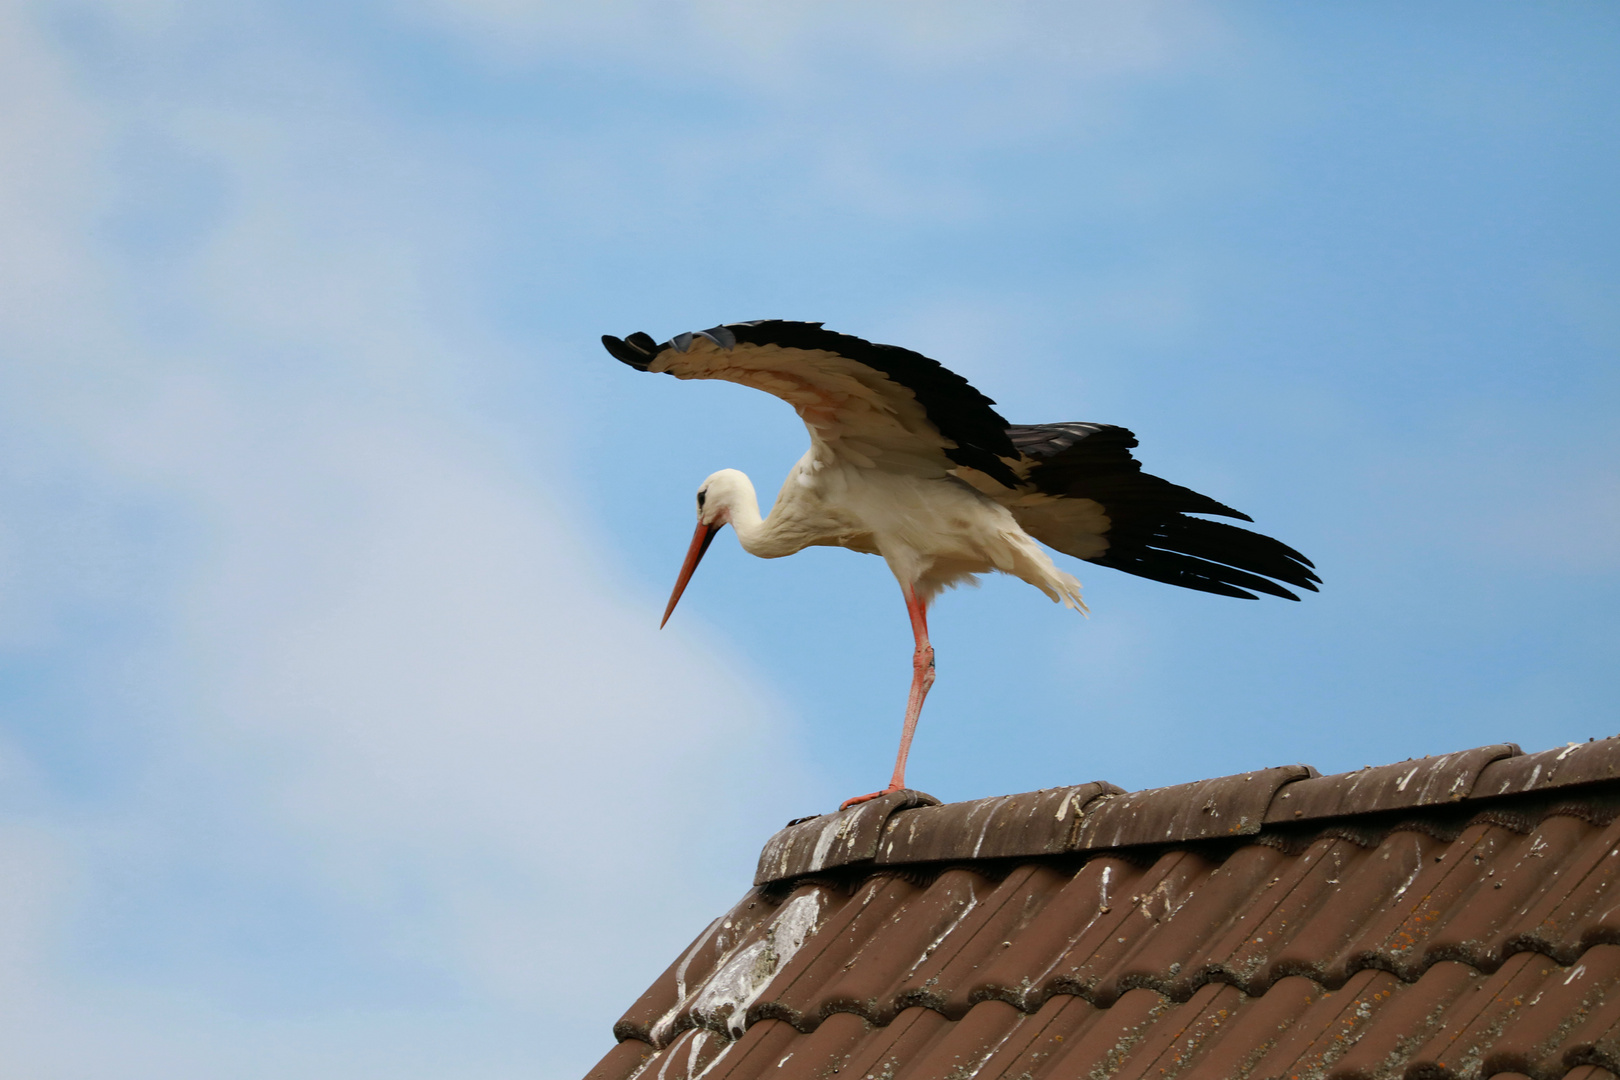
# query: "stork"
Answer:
x=910 y=462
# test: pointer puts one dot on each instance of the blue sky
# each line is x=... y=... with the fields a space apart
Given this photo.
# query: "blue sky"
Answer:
x=336 y=737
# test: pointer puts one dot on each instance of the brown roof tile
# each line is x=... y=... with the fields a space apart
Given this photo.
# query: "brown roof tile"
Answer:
x=1577 y=763
x=1394 y=929
x=1225 y=806
x=1419 y=782
x=832 y=840
x=1040 y=823
x=1530 y=1018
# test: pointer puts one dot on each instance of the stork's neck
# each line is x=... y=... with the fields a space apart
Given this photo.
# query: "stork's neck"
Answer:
x=768 y=538
x=742 y=512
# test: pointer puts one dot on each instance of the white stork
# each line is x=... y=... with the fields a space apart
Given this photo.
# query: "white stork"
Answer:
x=910 y=462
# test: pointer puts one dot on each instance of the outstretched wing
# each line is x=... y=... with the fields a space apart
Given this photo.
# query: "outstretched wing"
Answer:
x=876 y=405
x=1084 y=494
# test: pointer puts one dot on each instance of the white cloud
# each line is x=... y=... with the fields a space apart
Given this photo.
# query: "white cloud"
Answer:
x=356 y=656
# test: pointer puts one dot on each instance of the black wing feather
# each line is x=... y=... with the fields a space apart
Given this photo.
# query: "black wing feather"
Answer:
x=1150 y=535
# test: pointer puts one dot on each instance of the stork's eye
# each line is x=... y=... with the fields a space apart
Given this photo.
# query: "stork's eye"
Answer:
x=704 y=494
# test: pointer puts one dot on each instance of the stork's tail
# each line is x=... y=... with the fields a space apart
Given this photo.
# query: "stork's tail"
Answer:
x=1067 y=592
x=1035 y=566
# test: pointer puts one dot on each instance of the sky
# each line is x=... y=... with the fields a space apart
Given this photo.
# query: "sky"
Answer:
x=337 y=737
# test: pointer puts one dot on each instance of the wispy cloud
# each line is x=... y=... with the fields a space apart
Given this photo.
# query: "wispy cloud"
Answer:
x=350 y=661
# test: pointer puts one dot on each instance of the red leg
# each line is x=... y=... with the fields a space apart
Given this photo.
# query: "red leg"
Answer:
x=922 y=678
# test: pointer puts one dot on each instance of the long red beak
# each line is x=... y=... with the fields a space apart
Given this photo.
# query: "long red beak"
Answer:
x=694 y=555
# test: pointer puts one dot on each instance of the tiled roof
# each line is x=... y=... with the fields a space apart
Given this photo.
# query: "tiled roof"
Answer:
x=1456 y=916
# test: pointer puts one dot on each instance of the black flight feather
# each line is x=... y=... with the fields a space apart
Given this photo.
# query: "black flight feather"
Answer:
x=1149 y=533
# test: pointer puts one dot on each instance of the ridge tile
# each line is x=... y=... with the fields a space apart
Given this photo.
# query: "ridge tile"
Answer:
x=1202 y=810
x=1037 y=823
x=810 y=845
x=1418 y=782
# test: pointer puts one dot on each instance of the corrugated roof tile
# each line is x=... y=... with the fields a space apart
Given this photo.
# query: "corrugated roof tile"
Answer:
x=1060 y=908
x=828 y=1049
x=1185 y=1033
x=1113 y=929
x=652 y=1018
x=891 y=1051
x=1569 y=1011
x=1299 y=917
x=808 y=989
x=623 y=1061
x=1576 y=906
x=1260 y=1025
x=759 y=1051
x=1446 y=942
x=964 y=1046
x=951 y=977
x=869 y=973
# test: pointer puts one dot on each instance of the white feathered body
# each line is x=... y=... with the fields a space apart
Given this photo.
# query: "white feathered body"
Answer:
x=875 y=478
x=933 y=531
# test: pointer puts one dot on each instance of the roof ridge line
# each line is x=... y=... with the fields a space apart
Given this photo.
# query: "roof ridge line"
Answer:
x=910 y=827
x=995 y=870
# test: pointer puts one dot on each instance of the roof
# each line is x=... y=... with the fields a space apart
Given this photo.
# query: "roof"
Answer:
x=1453 y=916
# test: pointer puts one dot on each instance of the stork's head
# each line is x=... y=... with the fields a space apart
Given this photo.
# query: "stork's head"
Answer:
x=715 y=499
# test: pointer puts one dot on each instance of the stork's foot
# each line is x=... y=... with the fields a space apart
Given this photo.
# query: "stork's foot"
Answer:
x=857 y=800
